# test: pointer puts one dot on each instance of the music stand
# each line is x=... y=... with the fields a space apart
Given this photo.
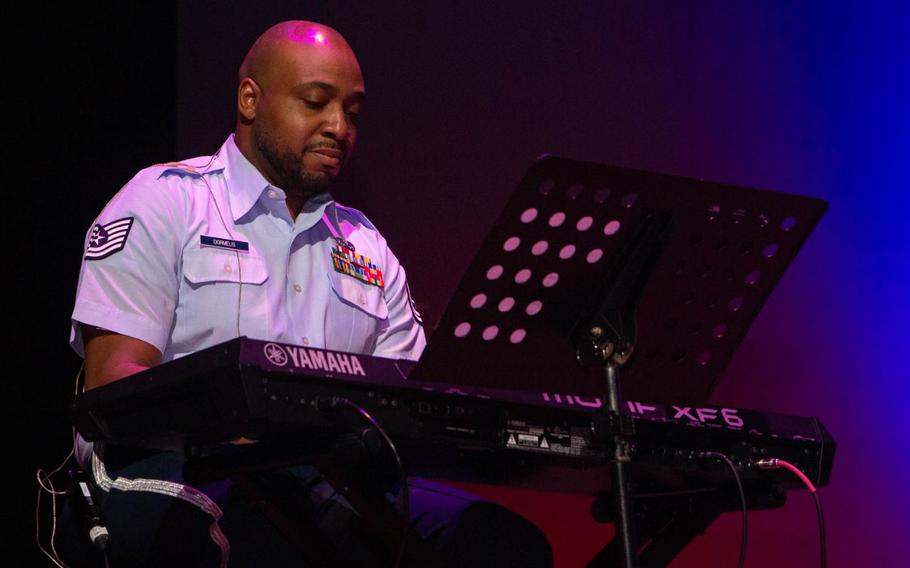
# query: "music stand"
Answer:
x=613 y=268
x=512 y=320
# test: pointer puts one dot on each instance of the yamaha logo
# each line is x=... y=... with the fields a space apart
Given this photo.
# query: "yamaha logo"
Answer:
x=318 y=360
x=275 y=354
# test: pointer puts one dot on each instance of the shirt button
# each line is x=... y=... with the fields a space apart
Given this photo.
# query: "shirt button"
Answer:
x=273 y=193
x=227 y=268
x=297 y=288
x=305 y=340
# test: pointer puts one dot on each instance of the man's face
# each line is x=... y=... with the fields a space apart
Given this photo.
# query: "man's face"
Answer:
x=305 y=124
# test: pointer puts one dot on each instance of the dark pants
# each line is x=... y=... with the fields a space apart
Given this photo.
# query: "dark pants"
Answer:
x=448 y=527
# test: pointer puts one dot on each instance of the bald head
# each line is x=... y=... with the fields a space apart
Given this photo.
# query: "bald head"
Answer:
x=287 y=39
x=300 y=90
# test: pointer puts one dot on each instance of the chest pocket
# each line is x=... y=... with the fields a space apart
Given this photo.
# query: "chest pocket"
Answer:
x=364 y=297
x=357 y=316
x=212 y=307
x=203 y=266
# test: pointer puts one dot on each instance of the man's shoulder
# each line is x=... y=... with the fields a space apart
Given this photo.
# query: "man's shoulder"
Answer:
x=164 y=185
x=169 y=176
x=355 y=215
x=192 y=167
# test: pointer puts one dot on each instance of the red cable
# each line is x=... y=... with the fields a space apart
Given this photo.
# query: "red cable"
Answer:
x=775 y=463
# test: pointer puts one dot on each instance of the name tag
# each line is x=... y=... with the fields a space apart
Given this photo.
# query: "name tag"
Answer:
x=228 y=244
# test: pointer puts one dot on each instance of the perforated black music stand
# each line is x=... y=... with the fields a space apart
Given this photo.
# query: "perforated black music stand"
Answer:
x=592 y=269
x=537 y=277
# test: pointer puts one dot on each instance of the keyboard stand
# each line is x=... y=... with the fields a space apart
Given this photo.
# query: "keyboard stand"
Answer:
x=667 y=523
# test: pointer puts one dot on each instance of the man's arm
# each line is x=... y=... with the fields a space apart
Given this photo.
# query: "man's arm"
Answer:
x=404 y=338
x=110 y=356
x=128 y=282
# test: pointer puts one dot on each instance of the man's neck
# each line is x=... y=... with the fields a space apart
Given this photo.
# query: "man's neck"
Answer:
x=295 y=204
x=294 y=201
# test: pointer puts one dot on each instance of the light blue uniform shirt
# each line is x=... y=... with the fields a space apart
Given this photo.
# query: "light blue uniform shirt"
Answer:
x=154 y=278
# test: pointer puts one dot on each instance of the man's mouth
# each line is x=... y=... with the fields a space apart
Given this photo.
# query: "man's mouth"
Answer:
x=328 y=152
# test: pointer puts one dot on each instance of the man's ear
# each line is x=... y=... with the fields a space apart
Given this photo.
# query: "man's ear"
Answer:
x=248 y=94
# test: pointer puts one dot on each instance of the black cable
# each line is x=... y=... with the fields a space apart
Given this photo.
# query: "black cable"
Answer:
x=821 y=528
x=776 y=463
x=742 y=500
x=405 y=491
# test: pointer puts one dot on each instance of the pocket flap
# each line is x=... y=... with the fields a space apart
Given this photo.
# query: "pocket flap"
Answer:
x=362 y=296
x=212 y=265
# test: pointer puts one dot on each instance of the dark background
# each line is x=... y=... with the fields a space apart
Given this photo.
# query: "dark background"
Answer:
x=807 y=98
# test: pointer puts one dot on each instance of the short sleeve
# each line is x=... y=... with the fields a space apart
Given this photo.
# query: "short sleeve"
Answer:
x=128 y=279
x=404 y=337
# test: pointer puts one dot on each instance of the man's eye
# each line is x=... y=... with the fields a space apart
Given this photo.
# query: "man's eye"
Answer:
x=314 y=104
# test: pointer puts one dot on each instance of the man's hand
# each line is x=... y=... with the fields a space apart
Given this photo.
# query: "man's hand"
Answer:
x=110 y=356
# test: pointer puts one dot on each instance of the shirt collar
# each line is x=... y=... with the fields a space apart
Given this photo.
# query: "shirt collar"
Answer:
x=246 y=185
x=245 y=182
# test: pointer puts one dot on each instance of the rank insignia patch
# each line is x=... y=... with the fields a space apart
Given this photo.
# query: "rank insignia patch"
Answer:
x=346 y=261
x=108 y=239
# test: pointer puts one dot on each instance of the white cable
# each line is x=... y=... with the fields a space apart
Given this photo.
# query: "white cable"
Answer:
x=46 y=484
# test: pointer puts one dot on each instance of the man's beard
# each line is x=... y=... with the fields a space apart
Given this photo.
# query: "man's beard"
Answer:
x=288 y=167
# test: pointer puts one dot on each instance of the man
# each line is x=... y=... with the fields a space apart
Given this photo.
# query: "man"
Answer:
x=247 y=242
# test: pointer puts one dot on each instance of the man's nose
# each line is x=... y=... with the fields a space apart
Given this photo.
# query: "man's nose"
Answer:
x=337 y=125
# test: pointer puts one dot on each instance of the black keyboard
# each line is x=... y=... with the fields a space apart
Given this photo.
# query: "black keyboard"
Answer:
x=282 y=393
